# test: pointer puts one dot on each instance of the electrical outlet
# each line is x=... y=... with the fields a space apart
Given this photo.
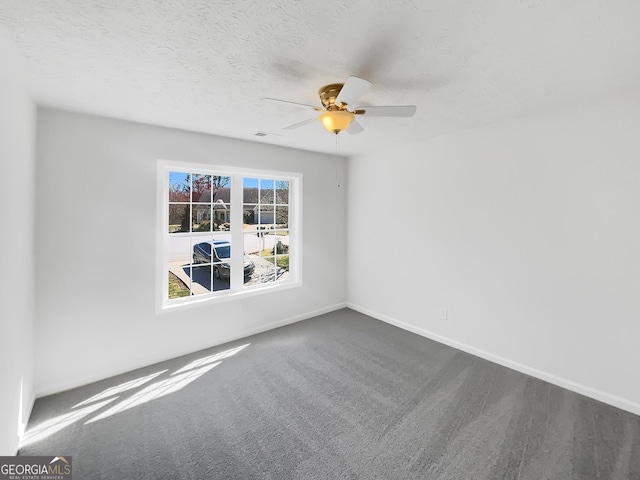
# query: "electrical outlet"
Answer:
x=444 y=313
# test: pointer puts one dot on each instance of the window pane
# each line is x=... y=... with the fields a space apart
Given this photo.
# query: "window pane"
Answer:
x=252 y=243
x=201 y=217
x=221 y=216
x=179 y=215
x=264 y=271
x=282 y=264
x=282 y=192
x=282 y=217
x=179 y=279
x=179 y=187
x=221 y=284
x=268 y=272
x=266 y=191
x=280 y=245
x=179 y=251
x=177 y=287
x=221 y=189
x=265 y=214
x=250 y=190
x=267 y=242
x=201 y=279
x=201 y=188
x=250 y=216
x=201 y=252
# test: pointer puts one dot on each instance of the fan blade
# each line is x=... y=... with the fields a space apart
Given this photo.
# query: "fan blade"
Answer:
x=300 y=124
x=391 y=111
x=352 y=90
x=354 y=127
x=292 y=103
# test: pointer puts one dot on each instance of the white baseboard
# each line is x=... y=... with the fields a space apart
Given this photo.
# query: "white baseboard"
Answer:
x=290 y=320
x=25 y=417
x=596 y=394
x=43 y=392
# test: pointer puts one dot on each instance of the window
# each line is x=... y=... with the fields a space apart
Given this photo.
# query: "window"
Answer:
x=226 y=232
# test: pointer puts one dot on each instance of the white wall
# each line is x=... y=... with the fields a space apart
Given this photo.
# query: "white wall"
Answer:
x=96 y=237
x=528 y=232
x=17 y=116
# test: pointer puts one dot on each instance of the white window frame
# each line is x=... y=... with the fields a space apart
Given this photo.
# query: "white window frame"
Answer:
x=237 y=288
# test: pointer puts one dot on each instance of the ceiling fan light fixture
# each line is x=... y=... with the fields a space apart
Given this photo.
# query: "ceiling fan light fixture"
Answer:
x=338 y=102
x=335 y=121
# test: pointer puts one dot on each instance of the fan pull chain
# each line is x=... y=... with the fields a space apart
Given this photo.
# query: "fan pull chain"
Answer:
x=337 y=153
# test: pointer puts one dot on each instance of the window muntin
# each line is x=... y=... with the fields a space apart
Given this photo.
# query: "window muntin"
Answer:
x=200 y=213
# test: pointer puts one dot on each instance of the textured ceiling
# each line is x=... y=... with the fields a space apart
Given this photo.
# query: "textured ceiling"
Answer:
x=204 y=65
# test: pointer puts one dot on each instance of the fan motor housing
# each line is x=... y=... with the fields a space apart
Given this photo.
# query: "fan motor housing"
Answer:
x=328 y=95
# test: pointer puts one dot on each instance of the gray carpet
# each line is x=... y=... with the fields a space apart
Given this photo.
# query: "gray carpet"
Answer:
x=341 y=396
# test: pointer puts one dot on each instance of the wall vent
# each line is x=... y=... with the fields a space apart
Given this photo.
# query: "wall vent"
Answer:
x=264 y=134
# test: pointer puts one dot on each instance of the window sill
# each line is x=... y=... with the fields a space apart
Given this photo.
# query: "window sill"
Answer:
x=190 y=302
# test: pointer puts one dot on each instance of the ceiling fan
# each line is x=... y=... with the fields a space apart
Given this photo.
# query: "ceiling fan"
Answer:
x=339 y=110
